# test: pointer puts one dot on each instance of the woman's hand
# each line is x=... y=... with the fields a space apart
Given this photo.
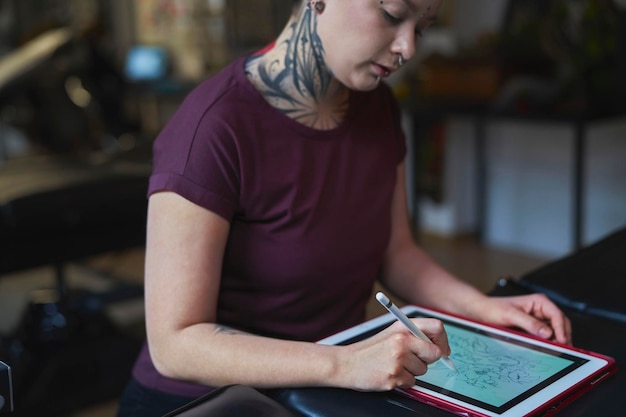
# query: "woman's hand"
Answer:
x=392 y=358
x=534 y=313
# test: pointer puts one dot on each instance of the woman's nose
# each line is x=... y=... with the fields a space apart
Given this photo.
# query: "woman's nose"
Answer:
x=405 y=44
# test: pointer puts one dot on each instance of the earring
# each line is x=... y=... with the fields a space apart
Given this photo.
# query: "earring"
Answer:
x=318 y=6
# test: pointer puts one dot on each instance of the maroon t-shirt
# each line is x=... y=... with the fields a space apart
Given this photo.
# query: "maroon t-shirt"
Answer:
x=309 y=210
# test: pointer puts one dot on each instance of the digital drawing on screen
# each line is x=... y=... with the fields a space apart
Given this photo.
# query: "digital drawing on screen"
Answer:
x=489 y=370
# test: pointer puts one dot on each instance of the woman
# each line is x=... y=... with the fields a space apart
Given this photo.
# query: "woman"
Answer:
x=277 y=199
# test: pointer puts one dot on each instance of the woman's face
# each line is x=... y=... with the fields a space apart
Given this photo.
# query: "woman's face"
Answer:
x=363 y=39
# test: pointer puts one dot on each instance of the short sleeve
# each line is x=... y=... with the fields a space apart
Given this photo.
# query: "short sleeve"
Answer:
x=196 y=156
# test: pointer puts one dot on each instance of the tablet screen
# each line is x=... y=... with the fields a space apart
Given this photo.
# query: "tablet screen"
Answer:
x=500 y=373
x=495 y=372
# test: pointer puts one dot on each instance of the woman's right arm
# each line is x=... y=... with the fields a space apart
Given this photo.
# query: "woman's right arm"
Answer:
x=184 y=250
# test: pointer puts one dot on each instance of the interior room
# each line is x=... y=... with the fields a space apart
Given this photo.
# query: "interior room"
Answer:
x=513 y=113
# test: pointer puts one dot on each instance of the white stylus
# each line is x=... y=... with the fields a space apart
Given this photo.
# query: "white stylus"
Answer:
x=386 y=302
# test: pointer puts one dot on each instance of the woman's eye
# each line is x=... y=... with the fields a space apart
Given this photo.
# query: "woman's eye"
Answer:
x=398 y=20
x=391 y=18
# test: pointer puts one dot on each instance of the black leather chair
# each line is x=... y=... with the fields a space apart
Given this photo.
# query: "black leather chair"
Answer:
x=54 y=210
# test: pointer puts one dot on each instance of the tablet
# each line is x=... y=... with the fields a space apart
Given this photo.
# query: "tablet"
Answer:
x=500 y=372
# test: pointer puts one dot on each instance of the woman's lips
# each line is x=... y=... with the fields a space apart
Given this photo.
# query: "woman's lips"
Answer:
x=381 y=71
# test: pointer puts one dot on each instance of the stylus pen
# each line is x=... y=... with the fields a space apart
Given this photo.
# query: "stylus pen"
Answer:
x=386 y=302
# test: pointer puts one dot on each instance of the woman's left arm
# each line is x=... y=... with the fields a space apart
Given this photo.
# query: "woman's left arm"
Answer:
x=416 y=278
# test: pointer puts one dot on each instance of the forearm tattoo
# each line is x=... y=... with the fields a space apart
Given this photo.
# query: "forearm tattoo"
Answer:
x=228 y=330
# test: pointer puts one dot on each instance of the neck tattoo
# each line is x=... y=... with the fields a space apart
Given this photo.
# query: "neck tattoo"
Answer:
x=299 y=83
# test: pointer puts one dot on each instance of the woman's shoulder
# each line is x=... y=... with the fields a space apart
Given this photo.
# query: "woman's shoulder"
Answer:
x=226 y=88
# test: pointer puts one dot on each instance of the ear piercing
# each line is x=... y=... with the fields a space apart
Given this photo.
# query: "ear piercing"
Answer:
x=317 y=5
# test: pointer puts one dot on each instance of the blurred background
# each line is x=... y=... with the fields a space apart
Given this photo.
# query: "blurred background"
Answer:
x=513 y=110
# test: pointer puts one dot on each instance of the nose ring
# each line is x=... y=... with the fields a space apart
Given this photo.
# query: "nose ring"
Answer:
x=401 y=60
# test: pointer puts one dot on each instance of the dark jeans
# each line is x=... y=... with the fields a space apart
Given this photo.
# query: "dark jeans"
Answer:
x=139 y=401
